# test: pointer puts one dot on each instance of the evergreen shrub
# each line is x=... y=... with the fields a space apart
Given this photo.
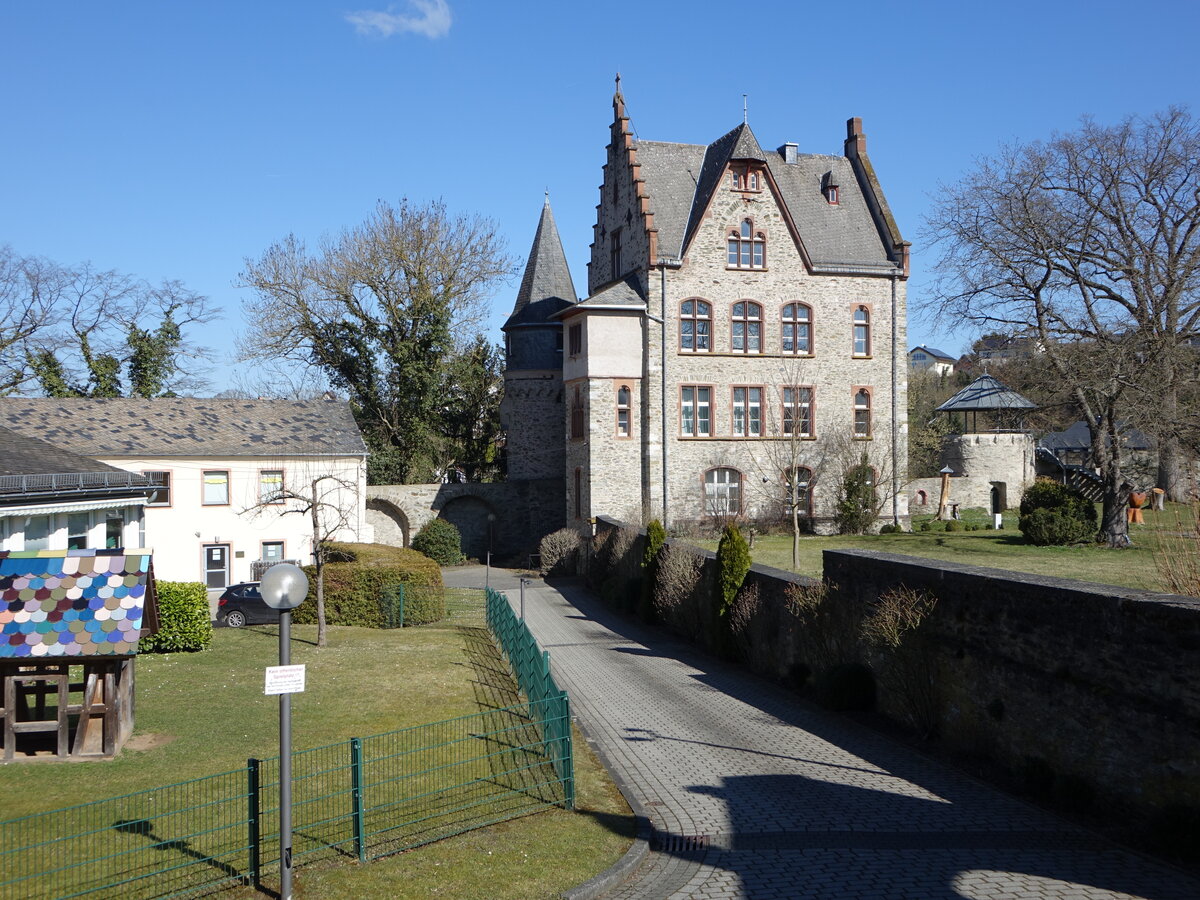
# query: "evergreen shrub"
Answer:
x=440 y=541
x=1055 y=514
x=733 y=562
x=856 y=500
x=656 y=537
x=183 y=617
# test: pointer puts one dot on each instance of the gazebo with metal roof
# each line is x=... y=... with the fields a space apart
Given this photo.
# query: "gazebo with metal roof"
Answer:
x=1004 y=406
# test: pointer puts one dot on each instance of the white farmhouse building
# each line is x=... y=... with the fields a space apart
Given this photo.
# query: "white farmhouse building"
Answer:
x=218 y=466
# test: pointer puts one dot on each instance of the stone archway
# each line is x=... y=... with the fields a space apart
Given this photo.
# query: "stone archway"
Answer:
x=391 y=524
x=475 y=519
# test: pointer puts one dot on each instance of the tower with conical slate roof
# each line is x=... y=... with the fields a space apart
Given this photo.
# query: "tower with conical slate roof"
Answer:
x=532 y=412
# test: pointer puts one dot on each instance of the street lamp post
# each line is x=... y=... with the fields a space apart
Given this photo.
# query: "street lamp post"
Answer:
x=284 y=587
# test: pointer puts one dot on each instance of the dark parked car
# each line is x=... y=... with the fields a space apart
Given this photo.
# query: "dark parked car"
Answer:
x=242 y=604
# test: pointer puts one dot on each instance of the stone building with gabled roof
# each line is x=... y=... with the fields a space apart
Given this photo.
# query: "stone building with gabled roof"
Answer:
x=744 y=324
x=221 y=472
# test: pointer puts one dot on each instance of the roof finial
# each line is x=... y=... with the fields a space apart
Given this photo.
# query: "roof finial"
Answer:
x=547 y=196
x=618 y=82
x=745 y=111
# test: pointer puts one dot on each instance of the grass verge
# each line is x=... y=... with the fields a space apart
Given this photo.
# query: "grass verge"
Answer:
x=204 y=713
x=1133 y=567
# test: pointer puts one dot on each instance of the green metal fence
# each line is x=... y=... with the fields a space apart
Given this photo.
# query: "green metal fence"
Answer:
x=361 y=799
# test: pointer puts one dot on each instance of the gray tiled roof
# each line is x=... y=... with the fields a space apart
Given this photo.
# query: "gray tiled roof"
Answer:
x=932 y=351
x=546 y=286
x=626 y=292
x=188 y=427
x=985 y=393
x=681 y=178
x=24 y=455
x=1078 y=437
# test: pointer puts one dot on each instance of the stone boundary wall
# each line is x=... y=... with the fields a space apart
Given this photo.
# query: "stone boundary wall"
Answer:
x=1085 y=693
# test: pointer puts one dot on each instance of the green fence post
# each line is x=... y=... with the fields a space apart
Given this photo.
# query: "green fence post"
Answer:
x=356 y=794
x=568 y=755
x=252 y=820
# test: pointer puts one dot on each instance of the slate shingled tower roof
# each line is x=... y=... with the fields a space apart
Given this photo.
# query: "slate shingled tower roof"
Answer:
x=546 y=286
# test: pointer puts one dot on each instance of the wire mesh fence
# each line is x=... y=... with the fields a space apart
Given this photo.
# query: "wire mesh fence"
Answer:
x=362 y=799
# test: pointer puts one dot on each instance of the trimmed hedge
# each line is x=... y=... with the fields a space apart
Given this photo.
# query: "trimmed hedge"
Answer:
x=183 y=617
x=440 y=541
x=363 y=587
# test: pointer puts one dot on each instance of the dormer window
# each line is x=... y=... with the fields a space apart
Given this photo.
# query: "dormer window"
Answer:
x=745 y=180
x=829 y=188
x=747 y=248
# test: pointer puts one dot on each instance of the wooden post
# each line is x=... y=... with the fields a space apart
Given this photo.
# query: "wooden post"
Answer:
x=946 y=473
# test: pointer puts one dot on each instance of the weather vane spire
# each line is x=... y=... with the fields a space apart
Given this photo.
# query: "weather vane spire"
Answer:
x=745 y=111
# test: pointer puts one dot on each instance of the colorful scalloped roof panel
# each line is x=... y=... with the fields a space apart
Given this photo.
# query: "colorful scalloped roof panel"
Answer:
x=56 y=603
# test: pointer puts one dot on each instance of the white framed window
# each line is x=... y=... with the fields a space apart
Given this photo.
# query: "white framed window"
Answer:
x=796 y=331
x=862 y=413
x=746 y=327
x=723 y=491
x=695 y=326
x=746 y=248
x=695 y=411
x=747 y=411
x=862 y=331
x=624 y=396
x=798 y=411
x=270 y=486
x=216 y=487
x=37 y=532
x=272 y=551
x=79 y=526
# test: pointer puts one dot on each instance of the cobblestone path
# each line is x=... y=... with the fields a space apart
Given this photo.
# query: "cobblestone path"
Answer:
x=754 y=794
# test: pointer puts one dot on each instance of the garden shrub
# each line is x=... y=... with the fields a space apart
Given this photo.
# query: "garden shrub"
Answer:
x=440 y=541
x=559 y=551
x=1054 y=514
x=856 y=500
x=954 y=526
x=184 y=622
x=926 y=526
x=656 y=536
x=681 y=592
x=733 y=562
x=364 y=590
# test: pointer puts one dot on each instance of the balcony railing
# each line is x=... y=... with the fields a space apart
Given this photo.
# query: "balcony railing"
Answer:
x=78 y=482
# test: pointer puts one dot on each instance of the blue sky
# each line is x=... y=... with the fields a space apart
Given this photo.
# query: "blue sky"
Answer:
x=175 y=139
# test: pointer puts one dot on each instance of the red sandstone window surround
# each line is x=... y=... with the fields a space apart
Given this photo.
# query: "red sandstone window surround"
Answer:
x=796 y=329
x=746 y=327
x=746 y=248
x=695 y=326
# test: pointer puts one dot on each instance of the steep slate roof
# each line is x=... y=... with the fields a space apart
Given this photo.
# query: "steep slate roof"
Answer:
x=56 y=603
x=546 y=286
x=985 y=393
x=682 y=178
x=188 y=427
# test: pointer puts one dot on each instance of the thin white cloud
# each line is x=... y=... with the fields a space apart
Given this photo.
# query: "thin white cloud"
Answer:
x=429 y=18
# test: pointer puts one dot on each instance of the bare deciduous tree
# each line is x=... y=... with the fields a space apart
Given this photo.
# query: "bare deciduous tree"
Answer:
x=1089 y=245
x=380 y=309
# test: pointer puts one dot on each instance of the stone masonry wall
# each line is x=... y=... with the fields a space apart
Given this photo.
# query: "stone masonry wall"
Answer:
x=531 y=414
x=1089 y=692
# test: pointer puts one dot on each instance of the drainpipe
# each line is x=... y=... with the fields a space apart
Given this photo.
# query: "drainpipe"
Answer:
x=895 y=409
x=664 y=262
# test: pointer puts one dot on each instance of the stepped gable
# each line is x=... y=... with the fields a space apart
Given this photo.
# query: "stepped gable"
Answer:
x=546 y=287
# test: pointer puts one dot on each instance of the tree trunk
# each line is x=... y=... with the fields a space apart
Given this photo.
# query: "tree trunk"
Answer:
x=319 y=560
x=795 y=537
x=1114 y=520
x=1173 y=469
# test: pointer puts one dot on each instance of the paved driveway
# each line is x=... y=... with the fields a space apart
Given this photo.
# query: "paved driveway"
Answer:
x=752 y=793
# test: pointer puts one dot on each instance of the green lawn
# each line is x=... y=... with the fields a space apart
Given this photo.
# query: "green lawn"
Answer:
x=1006 y=549
x=204 y=713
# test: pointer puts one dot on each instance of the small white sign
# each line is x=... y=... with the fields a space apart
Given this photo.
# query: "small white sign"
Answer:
x=285 y=680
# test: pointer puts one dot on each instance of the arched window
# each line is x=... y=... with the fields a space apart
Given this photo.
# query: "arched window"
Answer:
x=862 y=413
x=695 y=326
x=797 y=482
x=723 y=492
x=746 y=327
x=862 y=331
x=922 y=498
x=623 y=399
x=797 y=329
x=747 y=248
